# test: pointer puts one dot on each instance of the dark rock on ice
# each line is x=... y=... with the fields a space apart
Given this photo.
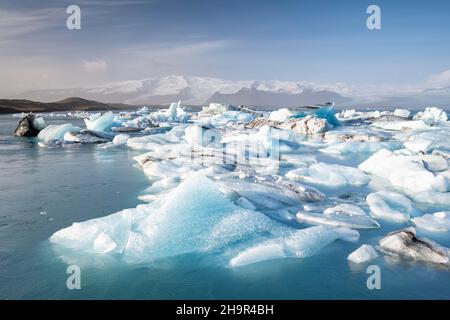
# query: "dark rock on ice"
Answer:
x=27 y=126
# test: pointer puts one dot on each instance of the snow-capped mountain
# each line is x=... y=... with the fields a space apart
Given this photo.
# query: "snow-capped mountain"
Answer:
x=272 y=93
x=199 y=90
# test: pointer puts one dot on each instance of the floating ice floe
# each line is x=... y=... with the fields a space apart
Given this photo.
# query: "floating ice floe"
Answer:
x=390 y=205
x=404 y=243
x=404 y=113
x=363 y=254
x=56 y=132
x=85 y=137
x=403 y=172
x=101 y=123
x=401 y=125
x=431 y=114
x=359 y=147
x=281 y=115
x=436 y=222
x=194 y=217
x=329 y=175
x=342 y=215
x=228 y=118
x=354 y=135
x=299 y=244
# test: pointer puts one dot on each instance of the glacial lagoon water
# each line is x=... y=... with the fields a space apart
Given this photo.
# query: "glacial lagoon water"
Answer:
x=43 y=190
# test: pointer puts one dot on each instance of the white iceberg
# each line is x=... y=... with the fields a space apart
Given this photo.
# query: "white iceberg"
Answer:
x=120 y=139
x=432 y=114
x=299 y=244
x=401 y=125
x=101 y=123
x=359 y=147
x=436 y=222
x=404 y=113
x=390 y=205
x=363 y=254
x=281 y=115
x=56 y=132
x=402 y=172
x=329 y=175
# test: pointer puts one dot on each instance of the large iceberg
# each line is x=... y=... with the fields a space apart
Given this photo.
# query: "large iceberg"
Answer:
x=194 y=217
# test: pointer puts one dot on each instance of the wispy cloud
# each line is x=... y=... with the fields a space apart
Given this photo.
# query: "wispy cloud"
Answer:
x=18 y=23
x=441 y=79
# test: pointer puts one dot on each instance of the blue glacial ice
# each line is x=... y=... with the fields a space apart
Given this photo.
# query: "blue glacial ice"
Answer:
x=255 y=186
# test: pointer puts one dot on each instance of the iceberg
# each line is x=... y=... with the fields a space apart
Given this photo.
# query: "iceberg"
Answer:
x=281 y=115
x=193 y=217
x=404 y=113
x=328 y=114
x=363 y=254
x=299 y=244
x=436 y=222
x=401 y=125
x=329 y=175
x=359 y=147
x=390 y=205
x=120 y=139
x=402 y=172
x=56 y=132
x=431 y=114
x=405 y=243
x=338 y=220
x=102 y=123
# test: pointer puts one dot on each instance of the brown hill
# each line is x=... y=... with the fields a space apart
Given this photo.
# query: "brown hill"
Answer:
x=69 y=104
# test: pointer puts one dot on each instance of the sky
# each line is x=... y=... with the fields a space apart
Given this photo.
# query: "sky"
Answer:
x=321 y=41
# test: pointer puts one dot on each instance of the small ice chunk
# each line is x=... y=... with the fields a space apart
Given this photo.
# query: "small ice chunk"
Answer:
x=39 y=123
x=390 y=205
x=102 y=123
x=404 y=113
x=56 y=132
x=281 y=115
x=363 y=254
x=120 y=139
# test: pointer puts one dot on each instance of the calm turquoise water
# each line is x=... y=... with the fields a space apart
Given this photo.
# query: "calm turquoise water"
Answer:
x=84 y=182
